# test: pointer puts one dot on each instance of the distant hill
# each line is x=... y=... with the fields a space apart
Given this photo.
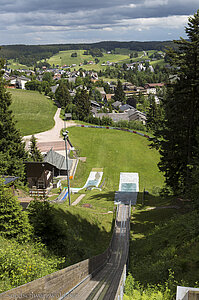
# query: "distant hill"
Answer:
x=30 y=54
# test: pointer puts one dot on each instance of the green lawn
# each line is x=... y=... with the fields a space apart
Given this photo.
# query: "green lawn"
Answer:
x=115 y=152
x=33 y=111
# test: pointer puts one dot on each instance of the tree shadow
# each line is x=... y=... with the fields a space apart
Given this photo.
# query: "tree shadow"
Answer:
x=160 y=240
x=66 y=234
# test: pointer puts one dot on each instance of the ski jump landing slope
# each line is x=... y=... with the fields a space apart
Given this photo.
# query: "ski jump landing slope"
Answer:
x=128 y=188
x=93 y=180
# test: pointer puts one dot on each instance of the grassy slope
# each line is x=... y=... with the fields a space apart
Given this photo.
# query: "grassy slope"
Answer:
x=64 y=58
x=116 y=152
x=15 y=65
x=34 y=112
x=21 y=263
x=163 y=240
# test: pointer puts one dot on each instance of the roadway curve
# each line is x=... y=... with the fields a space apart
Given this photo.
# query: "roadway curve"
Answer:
x=51 y=138
x=104 y=284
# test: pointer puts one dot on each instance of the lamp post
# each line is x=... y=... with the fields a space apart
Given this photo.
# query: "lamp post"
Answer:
x=65 y=134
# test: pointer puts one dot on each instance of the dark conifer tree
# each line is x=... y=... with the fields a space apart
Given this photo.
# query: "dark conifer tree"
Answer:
x=155 y=115
x=35 y=153
x=82 y=103
x=62 y=94
x=181 y=106
x=119 y=93
x=12 y=149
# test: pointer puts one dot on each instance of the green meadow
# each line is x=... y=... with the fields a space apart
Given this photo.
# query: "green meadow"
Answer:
x=33 y=111
x=115 y=152
x=15 y=65
x=64 y=58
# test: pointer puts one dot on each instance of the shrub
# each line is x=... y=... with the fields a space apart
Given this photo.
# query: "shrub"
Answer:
x=20 y=264
x=13 y=221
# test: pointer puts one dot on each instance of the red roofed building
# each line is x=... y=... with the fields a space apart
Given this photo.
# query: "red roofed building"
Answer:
x=151 y=87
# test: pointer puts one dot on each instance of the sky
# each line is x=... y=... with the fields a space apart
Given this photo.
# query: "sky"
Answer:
x=87 y=21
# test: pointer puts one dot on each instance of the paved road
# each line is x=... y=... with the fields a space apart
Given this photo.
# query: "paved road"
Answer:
x=105 y=283
x=51 y=138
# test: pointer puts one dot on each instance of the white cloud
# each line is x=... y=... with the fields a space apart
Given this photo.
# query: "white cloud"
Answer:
x=105 y=19
x=107 y=29
x=155 y=3
x=148 y=23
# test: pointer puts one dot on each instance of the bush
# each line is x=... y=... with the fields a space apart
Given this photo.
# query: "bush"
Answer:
x=134 y=290
x=20 y=264
x=13 y=221
x=137 y=125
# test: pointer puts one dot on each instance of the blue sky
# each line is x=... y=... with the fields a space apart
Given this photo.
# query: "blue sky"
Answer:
x=87 y=21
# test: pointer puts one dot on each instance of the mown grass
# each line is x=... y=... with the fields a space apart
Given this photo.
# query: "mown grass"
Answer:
x=115 y=152
x=33 y=111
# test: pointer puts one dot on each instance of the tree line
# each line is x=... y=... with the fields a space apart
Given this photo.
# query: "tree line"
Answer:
x=30 y=54
x=175 y=121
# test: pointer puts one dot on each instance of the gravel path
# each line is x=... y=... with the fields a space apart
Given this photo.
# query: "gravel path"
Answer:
x=52 y=137
x=78 y=199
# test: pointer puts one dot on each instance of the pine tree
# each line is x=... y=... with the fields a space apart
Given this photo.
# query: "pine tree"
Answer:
x=82 y=103
x=119 y=93
x=12 y=149
x=155 y=115
x=35 y=154
x=13 y=221
x=181 y=106
x=62 y=94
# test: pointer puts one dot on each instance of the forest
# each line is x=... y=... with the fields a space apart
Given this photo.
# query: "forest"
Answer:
x=31 y=54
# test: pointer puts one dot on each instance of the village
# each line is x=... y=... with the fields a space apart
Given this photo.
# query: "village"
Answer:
x=103 y=102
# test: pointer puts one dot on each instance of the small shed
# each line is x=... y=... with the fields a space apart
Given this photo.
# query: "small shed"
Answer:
x=68 y=116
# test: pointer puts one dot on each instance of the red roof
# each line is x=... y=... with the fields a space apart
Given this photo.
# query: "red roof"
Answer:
x=152 y=85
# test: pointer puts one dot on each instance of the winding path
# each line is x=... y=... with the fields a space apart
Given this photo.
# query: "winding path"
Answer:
x=51 y=138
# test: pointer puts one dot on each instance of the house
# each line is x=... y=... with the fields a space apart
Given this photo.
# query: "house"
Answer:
x=116 y=104
x=94 y=104
x=19 y=81
x=152 y=87
x=125 y=108
x=54 y=88
x=109 y=97
x=68 y=116
x=130 y=115
x=40 y=174
x=136 y=115
x=58 y=162
x=9 y=181
x=102 y=91
x=127 y=86
x=114 y=116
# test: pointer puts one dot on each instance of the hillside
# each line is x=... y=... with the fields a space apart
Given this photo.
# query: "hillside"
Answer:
x=33 y=111
x=116 y=152
x=30 y=54
x=64 y=58
x=83 y=232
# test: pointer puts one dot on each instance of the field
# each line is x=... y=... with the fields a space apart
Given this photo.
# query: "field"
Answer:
x=14 y=65
x=64 y=58
x=115 y=152
x=33 y=112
